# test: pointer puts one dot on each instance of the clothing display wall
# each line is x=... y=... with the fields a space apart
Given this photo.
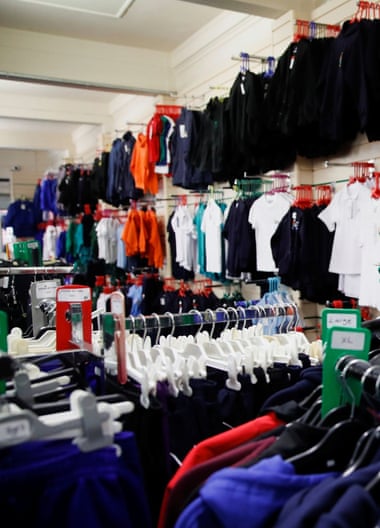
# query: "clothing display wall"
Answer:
x=318 y=98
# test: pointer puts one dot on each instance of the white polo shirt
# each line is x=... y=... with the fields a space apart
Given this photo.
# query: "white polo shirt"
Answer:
x=212 y=223
x=264 y=215
x=369 y=289
x=345 y=216
x=183 y=226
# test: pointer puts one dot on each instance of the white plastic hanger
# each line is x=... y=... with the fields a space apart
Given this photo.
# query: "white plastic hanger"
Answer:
x=220 y=354
x=19 y=345
x=91 y=424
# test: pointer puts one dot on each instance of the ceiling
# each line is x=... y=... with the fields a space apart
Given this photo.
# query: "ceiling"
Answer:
x=147 y=24
x=154 y=24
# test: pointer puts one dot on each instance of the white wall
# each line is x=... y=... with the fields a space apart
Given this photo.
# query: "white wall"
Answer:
x=32 y=165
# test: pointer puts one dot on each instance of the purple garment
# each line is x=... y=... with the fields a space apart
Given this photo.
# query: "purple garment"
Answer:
x=21 y=215
x=48 y=195
x=356 y=508
x=306 y=507
x=53 y=483
x=246 y=498
x=309 y=379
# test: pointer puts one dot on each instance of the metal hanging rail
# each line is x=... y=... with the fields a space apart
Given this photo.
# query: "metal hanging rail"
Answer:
x=310 y=29
x=224 y=316
x=327 y=163
x=36 y=270
x=250 y=56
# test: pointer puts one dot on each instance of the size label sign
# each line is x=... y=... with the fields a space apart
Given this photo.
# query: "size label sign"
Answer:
x=15 y=431
x=346 y=320
x=347 y=340
x=339 y=317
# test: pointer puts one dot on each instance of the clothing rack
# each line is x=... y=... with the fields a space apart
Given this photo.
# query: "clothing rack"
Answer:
x=224 y=316
x=251 y=186
x=303 y=29
x=366 y=10
x=37 y=270
x=366 y=169
x=250 y=56
x=310 y=29
x=369 y=163
x=135 y=123
x=280 y=318
x=219 y=87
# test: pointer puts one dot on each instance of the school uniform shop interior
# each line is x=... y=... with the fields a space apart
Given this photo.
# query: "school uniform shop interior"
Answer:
x=190 y=263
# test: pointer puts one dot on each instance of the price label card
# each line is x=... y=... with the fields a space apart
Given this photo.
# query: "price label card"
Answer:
x=46 y=289
x=74 y=295
x=14 y=431
x=347 y=341
x=118 y=303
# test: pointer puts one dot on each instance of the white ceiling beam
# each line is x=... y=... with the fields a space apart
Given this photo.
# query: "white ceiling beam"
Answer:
x=78 y=63
x=21 y=139
x=52 y=109
x=242 y=7
x=262 y=8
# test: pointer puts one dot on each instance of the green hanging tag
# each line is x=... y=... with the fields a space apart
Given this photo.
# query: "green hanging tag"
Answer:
x=3 y=342
x=341 y=342
x=108 y=330
x=3 y=331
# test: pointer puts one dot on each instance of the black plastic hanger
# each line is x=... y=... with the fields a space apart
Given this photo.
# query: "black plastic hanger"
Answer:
x=313 y=404
x=337 y=415
x=373 y=487
x=333 y=452
x=366 y=448
x=314 y=395
x=313 y=414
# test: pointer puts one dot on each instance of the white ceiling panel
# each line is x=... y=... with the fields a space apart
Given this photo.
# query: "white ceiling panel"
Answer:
x=161 y=25
x=110 y=8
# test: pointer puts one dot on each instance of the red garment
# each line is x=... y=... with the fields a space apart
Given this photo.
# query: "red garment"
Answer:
x=134 y=233
x=215 y=445
x=194 y=477
x=153 y=180
x=139 y=165
x=153 y=132
x=155 y=252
